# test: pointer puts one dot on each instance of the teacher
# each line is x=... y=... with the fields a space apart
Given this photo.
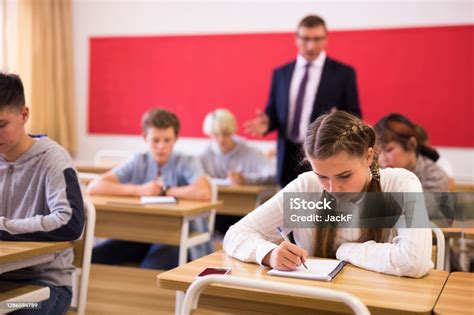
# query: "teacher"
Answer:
x=302 y=90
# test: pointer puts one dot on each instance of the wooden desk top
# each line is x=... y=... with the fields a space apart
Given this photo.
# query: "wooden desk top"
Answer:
x=14 y=251
x=381 y=293
x=466 y=227
x=463 y=187
x=91 y=167
x=457 y=296
x=247 y=189
x=468 y=232
x=132 y=204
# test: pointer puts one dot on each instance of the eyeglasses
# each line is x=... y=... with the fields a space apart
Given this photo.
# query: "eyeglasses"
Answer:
x=307 y=39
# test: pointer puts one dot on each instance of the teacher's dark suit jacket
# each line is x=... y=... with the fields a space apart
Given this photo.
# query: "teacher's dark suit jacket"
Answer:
x=337 y=88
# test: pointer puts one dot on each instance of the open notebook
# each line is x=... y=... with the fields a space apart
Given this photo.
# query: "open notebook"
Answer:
x=222 y=181
x=153 y=200
x=318 y=269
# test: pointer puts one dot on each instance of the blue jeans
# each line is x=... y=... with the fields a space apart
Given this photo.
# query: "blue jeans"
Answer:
x=150 y=256
x=58 y=303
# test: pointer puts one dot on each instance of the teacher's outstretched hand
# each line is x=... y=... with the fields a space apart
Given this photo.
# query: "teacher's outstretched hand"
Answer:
x=257 y=126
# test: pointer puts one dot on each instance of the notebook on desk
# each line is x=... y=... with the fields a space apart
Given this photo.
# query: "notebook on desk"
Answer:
x=318 y=269
x=224 y=182
x=154 y=200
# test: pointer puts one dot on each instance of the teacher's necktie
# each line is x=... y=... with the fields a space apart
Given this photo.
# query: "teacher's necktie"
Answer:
x=295 y=128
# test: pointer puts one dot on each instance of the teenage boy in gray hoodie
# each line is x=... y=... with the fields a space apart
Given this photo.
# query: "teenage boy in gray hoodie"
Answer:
x=40 y=197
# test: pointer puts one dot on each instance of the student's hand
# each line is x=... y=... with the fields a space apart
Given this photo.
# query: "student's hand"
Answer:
x=235 y=178
x=285 y=257
x=152 y=188
x=257 y=126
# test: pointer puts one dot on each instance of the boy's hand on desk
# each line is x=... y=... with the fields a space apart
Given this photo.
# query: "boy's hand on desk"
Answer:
x=151 y=188
x=286 y=257
x=236 y=178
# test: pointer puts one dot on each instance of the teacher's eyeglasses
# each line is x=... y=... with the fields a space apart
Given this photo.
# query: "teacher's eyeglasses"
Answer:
x=307 y=39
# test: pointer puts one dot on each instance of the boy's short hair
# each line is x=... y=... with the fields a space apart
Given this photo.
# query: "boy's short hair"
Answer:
x=161 y=119
x=11 y=91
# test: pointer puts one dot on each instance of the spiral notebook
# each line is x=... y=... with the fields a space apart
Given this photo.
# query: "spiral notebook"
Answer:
x=318 y=269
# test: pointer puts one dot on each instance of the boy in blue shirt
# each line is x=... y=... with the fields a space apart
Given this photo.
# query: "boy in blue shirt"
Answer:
x=160 y=171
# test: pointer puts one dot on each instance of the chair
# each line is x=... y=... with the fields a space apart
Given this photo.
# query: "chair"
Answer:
x=108 y=156
x=199 y=238
x=214 y=198
x=82 y=261
x=440 y=247
x=86 y=178
x=194 y=291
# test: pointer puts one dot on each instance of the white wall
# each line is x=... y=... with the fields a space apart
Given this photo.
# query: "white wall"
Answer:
x=114 y=18
x=9 y=29
x=2 y=34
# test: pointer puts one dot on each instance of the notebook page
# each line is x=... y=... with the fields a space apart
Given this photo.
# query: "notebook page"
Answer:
x=318 y=269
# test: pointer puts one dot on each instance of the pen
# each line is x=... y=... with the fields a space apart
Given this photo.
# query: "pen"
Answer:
x=287 y=240
x=159 y=177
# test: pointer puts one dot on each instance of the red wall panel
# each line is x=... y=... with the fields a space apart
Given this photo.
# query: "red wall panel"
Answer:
x=425 y=73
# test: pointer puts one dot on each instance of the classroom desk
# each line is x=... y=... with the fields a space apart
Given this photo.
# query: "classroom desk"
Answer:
x=457 y=296
x=382 y=294
x=91 y=167
x=463 y=187
x=18 y=255
x=124 y=218
x=241 y=199
x=458 y=230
